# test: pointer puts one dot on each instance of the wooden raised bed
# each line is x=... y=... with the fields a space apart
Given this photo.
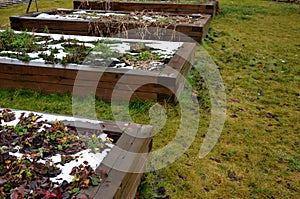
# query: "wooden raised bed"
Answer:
x=117 y=28
x=289 y=1
x=210 y=8
x=57 y=78
x=116 y=184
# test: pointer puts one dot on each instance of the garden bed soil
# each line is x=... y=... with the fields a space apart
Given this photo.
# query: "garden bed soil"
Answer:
x=113 y=184
x=188 y=7
x=132 y=25
x=97 y=79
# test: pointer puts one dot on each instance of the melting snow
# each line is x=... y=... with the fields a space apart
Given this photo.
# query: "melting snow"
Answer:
x=166 y=48
x=94 y=159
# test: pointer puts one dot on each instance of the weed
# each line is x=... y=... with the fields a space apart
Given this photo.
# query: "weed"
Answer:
x=144 y=55
x=20 y=130
x=95 y=143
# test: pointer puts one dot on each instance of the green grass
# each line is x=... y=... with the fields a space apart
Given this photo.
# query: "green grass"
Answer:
x=42 y=6
x=256 y=46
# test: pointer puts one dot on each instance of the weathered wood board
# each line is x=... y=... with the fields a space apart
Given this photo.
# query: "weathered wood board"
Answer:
x=210 y=8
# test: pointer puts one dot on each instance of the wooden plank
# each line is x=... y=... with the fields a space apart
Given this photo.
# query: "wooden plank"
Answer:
x=92 y=81
x=181 y=8
x=183 y=55
x=117 y=160
x=108 y=126
x=136 y=145
x=141 y=146
x=101 y=93
x=70 y=71
x=111 y=184
x=180 y=64
x=61 y=84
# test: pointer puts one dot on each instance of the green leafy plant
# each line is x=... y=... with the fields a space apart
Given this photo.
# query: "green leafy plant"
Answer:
x=74 y=190
x=20 y=130
x=9 y=40
x=95 y=181
x=95 y=143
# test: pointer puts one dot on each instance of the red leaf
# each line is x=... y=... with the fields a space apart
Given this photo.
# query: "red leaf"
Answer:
x=46 y=194
x=18 y=193
x=58 y=192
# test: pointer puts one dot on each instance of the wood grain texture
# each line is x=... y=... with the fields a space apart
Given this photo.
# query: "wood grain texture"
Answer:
x=210 y=8
x=104 y=83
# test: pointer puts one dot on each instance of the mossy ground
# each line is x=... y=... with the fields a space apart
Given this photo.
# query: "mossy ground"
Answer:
x=256 y=45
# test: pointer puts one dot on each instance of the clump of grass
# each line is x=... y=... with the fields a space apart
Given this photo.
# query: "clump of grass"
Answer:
x=144 y=55
x=21 y=9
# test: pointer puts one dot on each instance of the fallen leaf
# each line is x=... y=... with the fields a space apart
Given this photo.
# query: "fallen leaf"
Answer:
x=232 y=176
x=181 y=176
x=215 y=159
x=160 y=191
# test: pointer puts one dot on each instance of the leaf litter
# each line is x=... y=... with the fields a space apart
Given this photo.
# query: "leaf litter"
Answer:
x=34 y=152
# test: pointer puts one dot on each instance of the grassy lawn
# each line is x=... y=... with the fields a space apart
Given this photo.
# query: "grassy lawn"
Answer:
x=42 y=6
x=256 y=45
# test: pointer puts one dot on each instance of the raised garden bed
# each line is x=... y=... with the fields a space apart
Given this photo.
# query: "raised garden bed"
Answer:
x=178 y=7
x=137 y=25
x=55 y=156
x=143 y=70
x=289 y=1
